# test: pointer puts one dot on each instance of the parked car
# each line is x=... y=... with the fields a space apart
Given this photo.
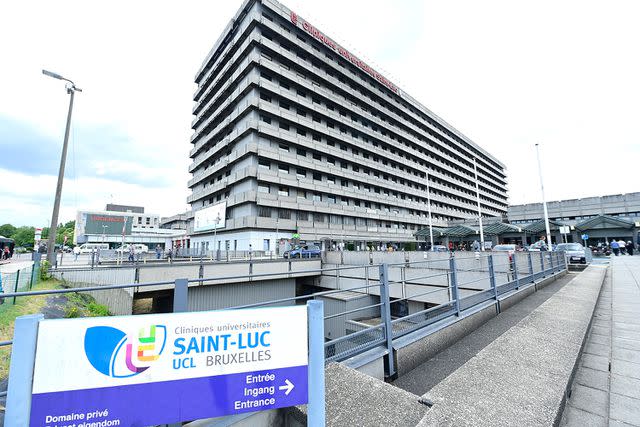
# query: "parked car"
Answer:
x=140 y=249
x=87 y=248
x=573 y=251
x=305 y=251
x=440 y=248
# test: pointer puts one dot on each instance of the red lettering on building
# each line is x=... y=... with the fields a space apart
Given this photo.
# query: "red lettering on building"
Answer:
x=342 y=51
x=107 y=218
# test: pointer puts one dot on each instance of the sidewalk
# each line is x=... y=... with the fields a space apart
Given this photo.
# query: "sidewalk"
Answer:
x=606 y=389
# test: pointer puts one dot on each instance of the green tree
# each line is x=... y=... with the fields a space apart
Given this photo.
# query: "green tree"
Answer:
x=7 y=230
x=24 y=236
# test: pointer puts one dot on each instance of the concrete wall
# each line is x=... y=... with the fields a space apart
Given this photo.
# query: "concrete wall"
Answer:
x=213 y=297
x=119 y=301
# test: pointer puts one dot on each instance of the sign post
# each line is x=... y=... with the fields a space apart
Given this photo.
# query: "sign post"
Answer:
x=585 y=237
x=564 y=230
x=167 y=368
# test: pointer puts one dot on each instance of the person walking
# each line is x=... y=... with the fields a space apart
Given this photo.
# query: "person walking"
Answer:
x=132 y=253
x=158 y=251
x=623 y=247
x=630 y=247
x=542 y=243
x=615 y=247
x=76 y=252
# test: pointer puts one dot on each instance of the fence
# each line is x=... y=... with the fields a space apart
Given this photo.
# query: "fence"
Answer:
x=391 y=300
x=20 y=280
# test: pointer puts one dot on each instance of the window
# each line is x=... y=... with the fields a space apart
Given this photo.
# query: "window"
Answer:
x=301 y=173
x=265 y=119
x=302 y=194
x=303 y=216
x=317 y=197
x=264 y=164
x=283 y=191
x=302 y=152
x=331 y=180
x=317 y=156
x=331 y=160
x=284 y=126
x=264 y=212
x=318 y=217
x=284 y=214
x=283 y=168
x=263 y=188
x=317 y=176
x=284 y=147
x=265 y=97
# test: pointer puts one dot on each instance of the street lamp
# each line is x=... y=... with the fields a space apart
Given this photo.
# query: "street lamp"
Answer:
x=475 y=171
x=429 y=212
x=544 y=202
x=215 y=236
x=71 y=90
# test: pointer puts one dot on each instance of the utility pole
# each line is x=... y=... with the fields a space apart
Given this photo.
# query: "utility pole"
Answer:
x=544 y=202
x=429 y=212
x=71 y=90
x=475 y=171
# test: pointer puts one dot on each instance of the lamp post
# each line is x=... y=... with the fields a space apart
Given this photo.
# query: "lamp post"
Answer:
x=475 y=171
x=71 y=90
x=544 y=202
x=215 y=236
x=429 y=212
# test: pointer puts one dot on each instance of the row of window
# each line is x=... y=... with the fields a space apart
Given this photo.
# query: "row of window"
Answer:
x=360 y=78
x=317 y=217
x=435 y=151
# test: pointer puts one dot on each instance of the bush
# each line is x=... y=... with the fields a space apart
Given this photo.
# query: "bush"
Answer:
x=72 y=312
x=98 y=310
x=44 y=270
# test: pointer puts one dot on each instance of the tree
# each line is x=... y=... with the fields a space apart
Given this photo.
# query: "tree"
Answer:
x=24 y=236
x=7 y=230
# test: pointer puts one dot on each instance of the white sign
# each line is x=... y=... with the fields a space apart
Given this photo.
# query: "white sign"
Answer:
x=564 y=229
x=210 y=218
x=163 y=368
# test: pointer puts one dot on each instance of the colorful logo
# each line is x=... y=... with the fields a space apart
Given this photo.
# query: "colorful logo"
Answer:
x=118 y=355
x=294 y=18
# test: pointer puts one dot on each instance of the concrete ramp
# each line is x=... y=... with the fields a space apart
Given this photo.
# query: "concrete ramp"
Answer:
x=521 y=378
x=356 y=399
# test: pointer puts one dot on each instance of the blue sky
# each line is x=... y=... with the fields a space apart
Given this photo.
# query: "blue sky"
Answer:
x=508 y=74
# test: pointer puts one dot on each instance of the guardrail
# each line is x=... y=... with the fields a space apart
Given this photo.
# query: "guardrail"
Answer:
x=391 y=301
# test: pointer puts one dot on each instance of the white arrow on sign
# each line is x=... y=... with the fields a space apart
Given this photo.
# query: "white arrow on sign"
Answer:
x=288 y=387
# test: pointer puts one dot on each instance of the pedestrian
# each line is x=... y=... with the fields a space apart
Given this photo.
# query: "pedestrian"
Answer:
x=158 y=251
x=76 y=252
x=169 y=255
x=132 y=253
x=630 y=247
x=623 y=247
x=451 y=247
x=615 y=247
x=542 y=243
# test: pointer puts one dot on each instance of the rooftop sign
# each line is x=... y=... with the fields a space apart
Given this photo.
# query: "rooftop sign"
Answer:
x=167 y=368
x=342 y=51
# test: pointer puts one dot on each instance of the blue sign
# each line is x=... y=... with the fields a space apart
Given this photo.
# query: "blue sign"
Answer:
x=585 y=237
x=158 y=369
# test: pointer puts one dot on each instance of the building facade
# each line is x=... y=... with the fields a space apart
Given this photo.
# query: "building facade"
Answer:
x=599 y=218
x=294 y=135
x=119 y=223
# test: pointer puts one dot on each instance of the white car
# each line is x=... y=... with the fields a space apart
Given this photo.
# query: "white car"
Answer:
x=138 y=248
x=87 y=248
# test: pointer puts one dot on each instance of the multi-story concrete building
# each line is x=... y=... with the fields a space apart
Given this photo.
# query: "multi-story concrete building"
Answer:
x=118 y=223
x=295 y=134
x=600 y=218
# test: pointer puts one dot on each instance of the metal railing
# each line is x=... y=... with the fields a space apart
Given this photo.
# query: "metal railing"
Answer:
x=19 y=280
x=368 y=306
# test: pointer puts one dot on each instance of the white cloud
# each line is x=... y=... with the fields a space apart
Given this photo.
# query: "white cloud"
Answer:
x=507 y=74
x=31 y=199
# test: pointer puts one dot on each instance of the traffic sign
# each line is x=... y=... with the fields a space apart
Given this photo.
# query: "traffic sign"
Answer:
x=168 y=368
x=585 y=237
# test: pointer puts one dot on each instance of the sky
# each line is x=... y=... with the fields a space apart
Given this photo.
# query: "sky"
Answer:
x=508 y=74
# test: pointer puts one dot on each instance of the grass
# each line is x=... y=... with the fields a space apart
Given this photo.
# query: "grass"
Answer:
x=78 y=305
x=9 y=312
